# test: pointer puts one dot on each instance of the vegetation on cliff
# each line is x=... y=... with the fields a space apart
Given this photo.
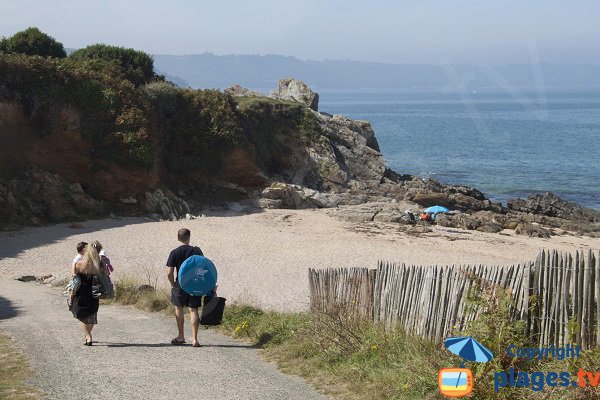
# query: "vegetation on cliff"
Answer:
x=127 y=120
x=32 y=42
x=136 y=66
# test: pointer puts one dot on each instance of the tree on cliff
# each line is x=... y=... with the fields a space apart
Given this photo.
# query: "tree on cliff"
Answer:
x=137 y=66
x=33 y=42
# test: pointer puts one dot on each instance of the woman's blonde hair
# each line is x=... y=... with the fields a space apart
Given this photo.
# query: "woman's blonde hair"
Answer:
x=90 y=263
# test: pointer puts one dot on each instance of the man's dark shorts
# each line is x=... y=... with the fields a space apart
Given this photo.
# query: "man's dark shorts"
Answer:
x=180 y=298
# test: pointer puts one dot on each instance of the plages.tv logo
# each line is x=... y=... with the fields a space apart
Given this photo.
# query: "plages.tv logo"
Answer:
x=458 y=382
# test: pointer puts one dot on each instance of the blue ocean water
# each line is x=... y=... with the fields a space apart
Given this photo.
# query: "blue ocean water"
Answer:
x=504 y=144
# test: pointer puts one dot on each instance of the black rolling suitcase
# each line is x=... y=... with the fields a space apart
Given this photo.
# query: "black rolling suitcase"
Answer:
x=212 y=312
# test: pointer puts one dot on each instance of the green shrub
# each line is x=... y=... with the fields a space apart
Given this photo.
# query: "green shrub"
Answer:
x=197 y=128
x=496 y=329
x=137 y=66
x=33 y=42
x=113 y=112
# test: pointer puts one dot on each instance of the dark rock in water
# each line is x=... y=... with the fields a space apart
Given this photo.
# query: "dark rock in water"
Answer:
x=551 y=205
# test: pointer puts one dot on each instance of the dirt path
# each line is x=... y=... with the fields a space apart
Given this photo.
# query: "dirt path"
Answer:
x=132 y=358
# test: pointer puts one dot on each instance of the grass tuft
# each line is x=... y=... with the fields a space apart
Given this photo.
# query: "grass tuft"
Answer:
x=376 y=365
x=14 y=371
x=127 y=292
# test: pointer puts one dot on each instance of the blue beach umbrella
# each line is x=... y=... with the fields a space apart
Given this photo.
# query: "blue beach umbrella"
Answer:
x=436 y=209
x=197 y=276
x=468 y=348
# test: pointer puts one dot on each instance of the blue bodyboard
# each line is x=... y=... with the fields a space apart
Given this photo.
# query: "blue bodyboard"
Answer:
x=197 y=276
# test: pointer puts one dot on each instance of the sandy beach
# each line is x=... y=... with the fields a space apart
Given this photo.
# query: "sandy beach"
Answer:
x=263 y=258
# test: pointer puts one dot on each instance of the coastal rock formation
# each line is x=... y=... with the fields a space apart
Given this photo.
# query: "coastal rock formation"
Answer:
x=532 y=231
x=295 y=90
x=281 y=195
x=110 y=146
x=375 y=211
x=551 y=205
x=347 y=152
x=168 y=205
x=239 y=91
x=39 y=196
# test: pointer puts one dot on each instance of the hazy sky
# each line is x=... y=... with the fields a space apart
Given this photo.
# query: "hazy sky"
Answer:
x=401 y=31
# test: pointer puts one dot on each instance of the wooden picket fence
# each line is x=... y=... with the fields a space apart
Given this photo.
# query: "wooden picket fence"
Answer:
x=557 y=295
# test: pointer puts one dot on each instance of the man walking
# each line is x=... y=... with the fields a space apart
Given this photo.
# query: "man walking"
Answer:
x=179 y=297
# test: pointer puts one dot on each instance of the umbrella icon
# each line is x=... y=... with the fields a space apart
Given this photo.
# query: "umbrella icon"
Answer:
x=436 y=209
x=469 y=349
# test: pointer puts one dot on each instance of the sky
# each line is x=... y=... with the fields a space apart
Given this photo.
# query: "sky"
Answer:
x=400 y=31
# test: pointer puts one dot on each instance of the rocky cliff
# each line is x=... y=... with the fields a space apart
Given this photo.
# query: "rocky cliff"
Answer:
x=164 y=151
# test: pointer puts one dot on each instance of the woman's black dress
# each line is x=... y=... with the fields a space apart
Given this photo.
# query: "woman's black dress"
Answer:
x=84 y=304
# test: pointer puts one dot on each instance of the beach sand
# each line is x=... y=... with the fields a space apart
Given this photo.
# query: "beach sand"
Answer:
x=263 y=258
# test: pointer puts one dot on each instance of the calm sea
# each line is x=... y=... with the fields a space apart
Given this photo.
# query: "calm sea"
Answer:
x=504 y=144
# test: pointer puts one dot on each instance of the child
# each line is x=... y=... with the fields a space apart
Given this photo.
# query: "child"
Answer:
x=75 y=282
x=105 y=263
x=80 y=250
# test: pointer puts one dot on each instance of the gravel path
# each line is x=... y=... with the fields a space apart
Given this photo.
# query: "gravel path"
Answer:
x=132 y=358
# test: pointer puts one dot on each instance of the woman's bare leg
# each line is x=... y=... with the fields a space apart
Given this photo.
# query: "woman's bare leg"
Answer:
x=87 y=329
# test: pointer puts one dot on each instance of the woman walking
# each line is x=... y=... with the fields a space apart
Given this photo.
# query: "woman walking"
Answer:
x=85 y=305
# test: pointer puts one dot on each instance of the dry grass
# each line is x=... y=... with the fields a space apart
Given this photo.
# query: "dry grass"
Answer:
x=14 y=371
x=154 y=300
x=346 y=359
x=349 y=358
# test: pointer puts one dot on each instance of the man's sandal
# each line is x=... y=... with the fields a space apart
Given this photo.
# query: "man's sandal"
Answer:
x=177 y=342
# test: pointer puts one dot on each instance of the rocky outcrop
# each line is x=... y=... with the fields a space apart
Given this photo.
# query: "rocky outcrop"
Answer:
x=344 y=167
x=166 y=204
x=428 y=192
x=532 y=231
x=292 y=89
x=375 y=211
x=38 y=197
x=551 y=205
x=239 y=91
x=277 y=154
x=281 y=195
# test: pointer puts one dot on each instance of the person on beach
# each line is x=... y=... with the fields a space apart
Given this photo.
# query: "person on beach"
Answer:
x=179 y=297
x=85 y=304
